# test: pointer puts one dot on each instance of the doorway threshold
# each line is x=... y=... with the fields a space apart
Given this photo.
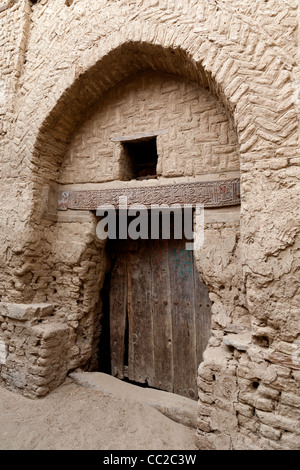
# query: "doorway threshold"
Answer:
x=176 y=407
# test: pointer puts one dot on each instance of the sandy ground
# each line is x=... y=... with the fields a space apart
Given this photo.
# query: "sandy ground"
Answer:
x=73 y=417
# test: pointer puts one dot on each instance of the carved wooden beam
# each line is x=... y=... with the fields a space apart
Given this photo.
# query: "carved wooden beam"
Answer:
x=220 y=193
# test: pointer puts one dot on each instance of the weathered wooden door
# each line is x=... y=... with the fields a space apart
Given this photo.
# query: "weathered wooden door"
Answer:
x=159 y=315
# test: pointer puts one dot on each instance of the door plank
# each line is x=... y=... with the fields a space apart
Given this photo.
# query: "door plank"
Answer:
x=183 y=319
x=118 y=306
x=141 y=349
x=162 y=318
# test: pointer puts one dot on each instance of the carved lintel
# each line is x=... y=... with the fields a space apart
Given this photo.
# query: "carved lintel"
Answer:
x=220 y=193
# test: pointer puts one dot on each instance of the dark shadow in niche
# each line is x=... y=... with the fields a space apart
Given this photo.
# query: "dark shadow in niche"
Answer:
x=141 y=158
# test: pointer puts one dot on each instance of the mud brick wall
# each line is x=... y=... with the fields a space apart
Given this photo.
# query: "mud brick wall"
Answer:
x=61 y=64
x=33 y=356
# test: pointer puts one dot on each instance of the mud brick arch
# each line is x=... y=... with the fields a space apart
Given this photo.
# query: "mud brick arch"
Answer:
x=252 y=79
x=245 y=82
x=83 y=258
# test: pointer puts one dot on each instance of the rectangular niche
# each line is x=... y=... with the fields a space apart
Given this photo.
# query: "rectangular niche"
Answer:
x=138 y=156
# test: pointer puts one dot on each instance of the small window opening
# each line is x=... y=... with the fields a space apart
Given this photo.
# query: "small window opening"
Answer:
x=141 y=158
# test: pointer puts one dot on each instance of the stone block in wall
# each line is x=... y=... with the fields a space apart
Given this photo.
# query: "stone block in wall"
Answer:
x=290 y=441
x=270 y=375
x=203 y=425
x=23 y=312
x=51 y=352
x=223 y=420
x=50 y=331
x=226 y=388
x=284 y=359
x=206 y=374
x=213 y=441
x=34 y=361
x=223 y=404
x=290 y=399
x=264 y=404
x=268 y=392
x=204 y=398
x=248 y=423
x=204 y=410
x=205 y=441
x=251 y=371
x=288 y=411
x=3 y=352
x=204 y=386
x=277 y=421
x=245 y=410
x=240 y=341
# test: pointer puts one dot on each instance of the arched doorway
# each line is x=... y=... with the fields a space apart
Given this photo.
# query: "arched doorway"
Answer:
x=187 y=141
x=195 y=140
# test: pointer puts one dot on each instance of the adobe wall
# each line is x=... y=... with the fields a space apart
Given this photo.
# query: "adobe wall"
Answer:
x=197 y=136
x=63 y=64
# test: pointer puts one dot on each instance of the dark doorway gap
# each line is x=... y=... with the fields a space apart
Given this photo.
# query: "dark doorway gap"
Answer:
x=104 y=360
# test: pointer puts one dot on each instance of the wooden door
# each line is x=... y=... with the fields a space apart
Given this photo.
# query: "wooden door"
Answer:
x=159 y=315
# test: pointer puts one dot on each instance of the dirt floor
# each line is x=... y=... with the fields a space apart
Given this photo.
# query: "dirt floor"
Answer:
x=73 y=417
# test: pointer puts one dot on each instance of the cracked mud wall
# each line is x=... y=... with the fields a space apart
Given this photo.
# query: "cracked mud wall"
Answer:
x=249 y=380
x=243 y=53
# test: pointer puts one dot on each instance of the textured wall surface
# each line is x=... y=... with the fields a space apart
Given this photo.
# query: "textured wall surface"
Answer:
x=199 y=138
x=60 y=66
